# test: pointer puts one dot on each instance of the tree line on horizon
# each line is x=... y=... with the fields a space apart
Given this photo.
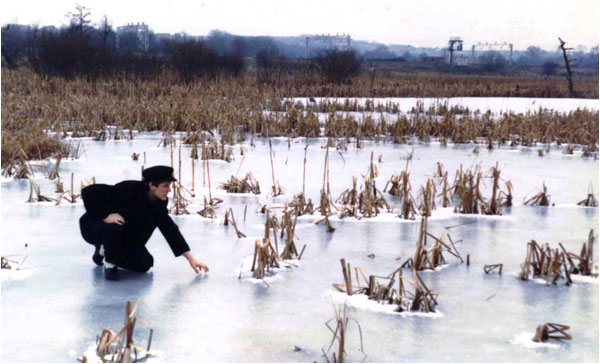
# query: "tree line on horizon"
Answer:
x=81 y=49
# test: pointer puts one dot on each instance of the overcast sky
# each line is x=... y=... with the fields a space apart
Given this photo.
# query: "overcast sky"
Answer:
x=420 y=23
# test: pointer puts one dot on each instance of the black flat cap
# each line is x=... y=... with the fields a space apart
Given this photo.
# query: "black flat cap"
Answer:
x=158 y=174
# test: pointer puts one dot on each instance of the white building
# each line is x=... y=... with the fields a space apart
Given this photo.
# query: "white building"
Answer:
x=139 y=29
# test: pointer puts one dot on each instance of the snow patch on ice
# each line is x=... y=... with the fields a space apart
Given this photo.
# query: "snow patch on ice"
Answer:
x=584 y=279
x=274 y=274
x=156 y=356
x=525 y=339
x=7 y=275
x=361 y=301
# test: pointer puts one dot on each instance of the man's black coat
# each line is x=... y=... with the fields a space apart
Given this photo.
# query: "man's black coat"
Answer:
x=130 y=200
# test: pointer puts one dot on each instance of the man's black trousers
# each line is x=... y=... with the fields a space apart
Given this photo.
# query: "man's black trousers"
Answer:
x=119 y=248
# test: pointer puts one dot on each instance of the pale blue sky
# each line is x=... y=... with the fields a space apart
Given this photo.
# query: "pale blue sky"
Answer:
x=419 y=23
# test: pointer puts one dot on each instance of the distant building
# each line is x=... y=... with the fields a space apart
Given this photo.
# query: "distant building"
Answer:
x=140 y=30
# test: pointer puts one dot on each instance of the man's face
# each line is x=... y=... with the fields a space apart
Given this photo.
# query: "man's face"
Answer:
x=161 y=191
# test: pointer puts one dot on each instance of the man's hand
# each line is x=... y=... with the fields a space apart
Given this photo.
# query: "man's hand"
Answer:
x=114 y=219
x=196 y=265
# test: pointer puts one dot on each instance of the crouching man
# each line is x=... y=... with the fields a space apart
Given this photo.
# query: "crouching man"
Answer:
x=120 y=219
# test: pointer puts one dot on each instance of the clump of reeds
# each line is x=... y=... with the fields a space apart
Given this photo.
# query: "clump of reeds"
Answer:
x=499 y=197
x=339 y=334
x=301 y=205
x=470 y=199
x=180 y=199
x=426 y=198
x=119 y=347
x=70 y=195
x=54 y=173
x=210 y=206
x=265 y=256
x=544 y=262
x=400 y=187
x=383 y=290
x=38 y=197
x=585 y=267
x=425 y=259
x=551 y=331
x=17 y=167
x=447 y=194
x=288 y=228
x=214 y=150
x=368 y=202
x=372 y=172
x=542 y=198
x=248 y=184
x=590 y=200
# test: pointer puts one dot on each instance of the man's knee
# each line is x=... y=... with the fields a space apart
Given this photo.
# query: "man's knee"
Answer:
x=142 y=263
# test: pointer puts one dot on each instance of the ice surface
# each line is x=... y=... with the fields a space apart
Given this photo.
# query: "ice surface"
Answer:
x=64 y=301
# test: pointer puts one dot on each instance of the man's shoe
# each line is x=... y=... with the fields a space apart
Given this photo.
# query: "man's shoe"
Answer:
x=97 y=258
x=112 y=274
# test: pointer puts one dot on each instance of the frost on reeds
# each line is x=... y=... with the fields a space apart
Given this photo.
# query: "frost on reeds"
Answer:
x=383 y=290
x=339 y=334
x=424 y=259
x=590 y=200
x=542 y=198
x=118 y=347
x=248 y=184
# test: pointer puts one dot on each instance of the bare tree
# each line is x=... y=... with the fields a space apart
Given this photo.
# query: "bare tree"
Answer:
x=567 y=66
x=338 y=66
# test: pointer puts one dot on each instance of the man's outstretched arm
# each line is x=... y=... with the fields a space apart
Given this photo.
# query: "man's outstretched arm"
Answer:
x=176 y=241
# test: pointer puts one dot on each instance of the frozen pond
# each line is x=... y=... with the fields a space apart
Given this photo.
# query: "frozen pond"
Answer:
x=483 y=104
x=53 y=310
